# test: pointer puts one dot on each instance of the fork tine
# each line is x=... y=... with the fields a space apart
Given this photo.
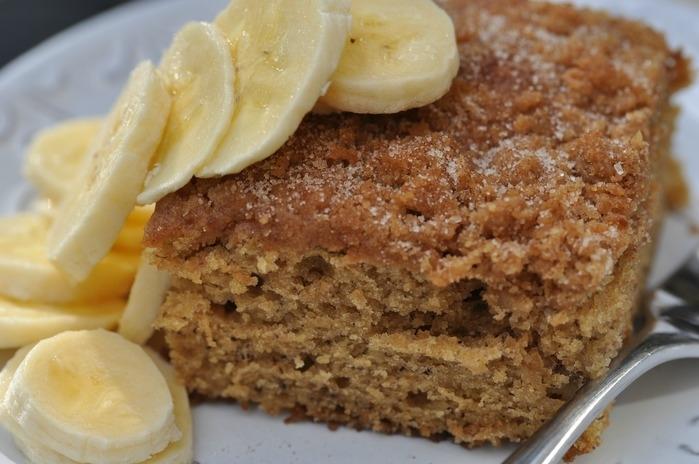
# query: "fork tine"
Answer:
x=685 y=317
x=685 y=282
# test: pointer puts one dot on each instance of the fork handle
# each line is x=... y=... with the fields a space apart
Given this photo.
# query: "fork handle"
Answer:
x=553 y=440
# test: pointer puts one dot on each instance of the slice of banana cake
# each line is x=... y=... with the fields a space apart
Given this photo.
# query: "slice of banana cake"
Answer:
x=461 y=268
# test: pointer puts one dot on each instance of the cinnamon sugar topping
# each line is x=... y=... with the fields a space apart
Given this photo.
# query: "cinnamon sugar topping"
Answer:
x=532 y=174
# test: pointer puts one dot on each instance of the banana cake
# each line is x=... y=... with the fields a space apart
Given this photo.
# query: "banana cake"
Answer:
x=458 y=269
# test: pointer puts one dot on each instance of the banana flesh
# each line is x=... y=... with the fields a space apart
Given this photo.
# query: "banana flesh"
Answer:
x=401 y=54
x=198 y=69
x=27 y=275
x=285 y=52
x=92 y=396
x=144 y=303
x=24 y=323
x=178 y=452
x=89 y=220
x=56 y=155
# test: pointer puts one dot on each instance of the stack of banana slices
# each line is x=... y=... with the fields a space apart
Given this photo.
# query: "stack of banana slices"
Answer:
x=94 y=397
x=225 y=95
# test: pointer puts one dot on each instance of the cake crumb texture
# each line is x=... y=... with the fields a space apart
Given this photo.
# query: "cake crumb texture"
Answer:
x=311 y=336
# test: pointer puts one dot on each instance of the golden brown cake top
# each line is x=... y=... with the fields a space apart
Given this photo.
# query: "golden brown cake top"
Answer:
x=531 y=174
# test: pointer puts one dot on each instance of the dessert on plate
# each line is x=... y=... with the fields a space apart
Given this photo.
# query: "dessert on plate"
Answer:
x=399 y=215
x=460 y=268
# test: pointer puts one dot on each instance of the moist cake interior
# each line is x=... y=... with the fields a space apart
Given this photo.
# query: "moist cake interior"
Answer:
x=458 y=269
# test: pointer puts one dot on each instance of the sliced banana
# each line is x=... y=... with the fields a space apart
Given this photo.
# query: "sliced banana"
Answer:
x=43 y=206
x=5 y=355
x=285 y=52
x=130 y=238
x=8 y=370
x=199 y=71
x=26 y=274
x=181 y=451
x=140 y=215
x=6 y=374
x=401 y=54
x=92 y=396
x=145 y=299
x=56 y=155
x=91 y=217
x=34 y=452
x=24 y=323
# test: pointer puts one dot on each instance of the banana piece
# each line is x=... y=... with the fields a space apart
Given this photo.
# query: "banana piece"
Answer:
x=181 y=451
x=56 y=155
x=199 y=71
x=5 y=356
x=401 y=54
x=91 y=396
x=7 y=372
x=26 y=274
x=145 y=299
x=285 y=52
x=35 y=453
x=6 y=375
x=44 y=207
x=130 y=238
x=140 y=215
x=91 y=217
x=24 y=323
x=12 y=358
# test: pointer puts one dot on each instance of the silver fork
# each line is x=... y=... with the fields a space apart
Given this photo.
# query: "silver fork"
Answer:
x=668 y=330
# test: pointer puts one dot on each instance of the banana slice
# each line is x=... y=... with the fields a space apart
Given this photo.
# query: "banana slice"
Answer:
x=198 y=68
x=140 y=215
x=26 y=274
x=91 y=217
x=285 y=52
x=8 y=372
x=9 y=359
x=92 y=396
x=34 y=453
x=44 y=207
x=130 y=238
x=145 y=299
x=24 y=323
x=179 y=452
x=401 y=54
x=56 y=155
x=5 y=356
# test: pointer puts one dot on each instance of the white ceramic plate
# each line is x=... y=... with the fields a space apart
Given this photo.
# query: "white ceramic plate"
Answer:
x=80 y=72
